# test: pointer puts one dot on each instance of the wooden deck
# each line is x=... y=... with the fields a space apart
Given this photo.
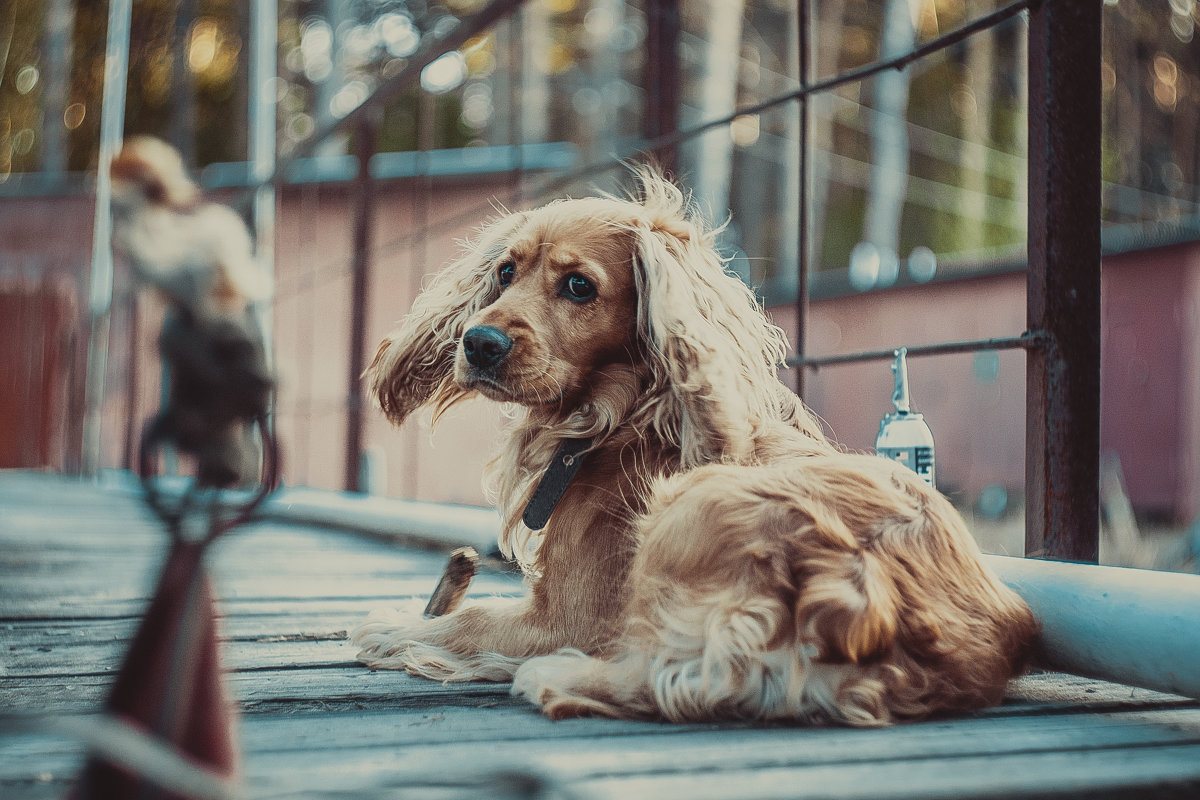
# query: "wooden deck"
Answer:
x=77 y=563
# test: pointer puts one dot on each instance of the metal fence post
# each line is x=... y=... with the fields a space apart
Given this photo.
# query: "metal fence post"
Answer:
x=364 y=212
x=662 y=78
x=1063 y=379
x=803 y=249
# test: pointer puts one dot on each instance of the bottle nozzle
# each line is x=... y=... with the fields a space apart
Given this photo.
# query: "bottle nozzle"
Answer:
x=900 y=398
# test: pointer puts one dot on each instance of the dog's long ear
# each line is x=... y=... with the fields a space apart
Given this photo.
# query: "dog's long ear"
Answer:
x=414 y=364
x=712 y=352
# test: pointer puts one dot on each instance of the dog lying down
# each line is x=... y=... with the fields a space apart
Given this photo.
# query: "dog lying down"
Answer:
x=712 y=554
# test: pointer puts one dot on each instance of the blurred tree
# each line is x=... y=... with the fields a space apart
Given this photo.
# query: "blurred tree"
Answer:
x=186 y=80
x=572 y=70
x=59 y=49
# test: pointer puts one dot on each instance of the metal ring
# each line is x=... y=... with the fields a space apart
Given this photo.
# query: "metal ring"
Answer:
x=173 y=516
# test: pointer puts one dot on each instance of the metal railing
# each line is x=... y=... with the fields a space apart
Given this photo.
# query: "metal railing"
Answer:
x=1063 y=311
x=1062 y=338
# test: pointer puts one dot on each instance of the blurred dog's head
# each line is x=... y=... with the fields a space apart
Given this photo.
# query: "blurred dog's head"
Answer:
x=198 y=255
x=148 y=171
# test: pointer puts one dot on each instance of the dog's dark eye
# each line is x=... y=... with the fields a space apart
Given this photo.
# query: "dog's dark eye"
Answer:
x=505 y=274
x=578 y=288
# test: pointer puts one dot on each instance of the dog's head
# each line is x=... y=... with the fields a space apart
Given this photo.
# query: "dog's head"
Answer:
x=562 y=306
x=552 y=307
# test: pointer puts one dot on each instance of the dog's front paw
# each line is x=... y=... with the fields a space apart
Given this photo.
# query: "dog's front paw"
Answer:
x=386 y=636
x=440 y=648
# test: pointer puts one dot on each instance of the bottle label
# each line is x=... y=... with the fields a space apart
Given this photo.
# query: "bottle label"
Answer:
x=918 y=459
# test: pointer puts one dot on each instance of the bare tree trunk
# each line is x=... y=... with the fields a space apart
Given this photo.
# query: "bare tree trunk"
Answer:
x=787 y=246
x=820 y=114
x=182 y=131
x=1019 y=216
x=60 y=51
x=713 y=152
x=976 y=161
x=337 y=12
x=889 y=168
x=534 y=111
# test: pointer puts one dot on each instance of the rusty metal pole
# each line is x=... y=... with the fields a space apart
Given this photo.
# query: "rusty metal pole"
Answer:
x=804 y=23
x=364 y=212
x=662 y=78
x=1063 y=377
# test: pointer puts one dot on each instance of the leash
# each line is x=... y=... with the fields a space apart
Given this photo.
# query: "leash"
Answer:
x=550 y=489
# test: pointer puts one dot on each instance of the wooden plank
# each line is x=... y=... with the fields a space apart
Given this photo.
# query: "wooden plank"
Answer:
x=415 y=748
x=103 y=606
x=61 y=632
x=50 y=579
x=1043 y=691
x=298 y=641
x=330 y=679
x=317 y=650
x=314 y=723
x=27 y=592
x=926 y=760
x=1135 y=772
x=338 y=684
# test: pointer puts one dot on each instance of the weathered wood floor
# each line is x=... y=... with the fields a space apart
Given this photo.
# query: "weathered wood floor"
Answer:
x=77 y=562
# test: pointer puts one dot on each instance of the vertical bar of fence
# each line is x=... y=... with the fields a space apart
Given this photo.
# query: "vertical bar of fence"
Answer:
x=421 y=188
x=1063 y=378
x=662 y=78
x=364 y=212
x=803 y=21
x=515 y=45
x=112 y=126
x=264 y=27
x=132 y=384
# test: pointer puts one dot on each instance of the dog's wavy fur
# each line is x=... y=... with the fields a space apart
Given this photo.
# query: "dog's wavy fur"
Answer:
x=716 y=556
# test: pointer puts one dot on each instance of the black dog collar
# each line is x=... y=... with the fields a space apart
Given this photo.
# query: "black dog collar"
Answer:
x=566 y=462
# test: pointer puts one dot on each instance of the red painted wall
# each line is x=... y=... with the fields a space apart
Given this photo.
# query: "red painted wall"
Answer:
x=1150 y=374
x=974 y=403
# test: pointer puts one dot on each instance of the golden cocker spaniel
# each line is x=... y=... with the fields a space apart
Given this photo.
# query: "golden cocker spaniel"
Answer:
x=712 y=555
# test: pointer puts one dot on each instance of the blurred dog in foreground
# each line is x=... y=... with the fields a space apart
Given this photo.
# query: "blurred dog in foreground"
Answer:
x=198 y=254
x=200 y=257
x=696 y=548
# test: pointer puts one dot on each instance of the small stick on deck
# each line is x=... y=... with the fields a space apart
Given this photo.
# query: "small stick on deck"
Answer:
x=452 y=587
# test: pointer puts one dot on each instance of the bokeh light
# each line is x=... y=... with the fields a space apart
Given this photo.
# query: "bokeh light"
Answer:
x=445 y=73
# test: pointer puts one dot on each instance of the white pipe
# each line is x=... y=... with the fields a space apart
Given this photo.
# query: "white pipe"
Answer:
x=429 y=524
x=1131 y=626
x=112 y=124
x=264 y=26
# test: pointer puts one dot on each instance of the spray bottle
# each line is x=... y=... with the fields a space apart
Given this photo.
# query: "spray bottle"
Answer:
x=903 y=434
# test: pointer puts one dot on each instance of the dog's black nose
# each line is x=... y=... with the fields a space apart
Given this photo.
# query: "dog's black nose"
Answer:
x=485 y=346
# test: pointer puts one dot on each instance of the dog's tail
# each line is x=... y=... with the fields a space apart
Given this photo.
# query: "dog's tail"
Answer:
x=848 y=605
x=904 y=598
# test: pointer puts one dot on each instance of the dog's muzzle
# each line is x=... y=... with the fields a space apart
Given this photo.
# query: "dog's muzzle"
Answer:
x=485 y=346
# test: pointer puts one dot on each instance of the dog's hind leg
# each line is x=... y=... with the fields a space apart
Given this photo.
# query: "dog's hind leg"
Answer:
x=707 y=658
x=571 y=683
